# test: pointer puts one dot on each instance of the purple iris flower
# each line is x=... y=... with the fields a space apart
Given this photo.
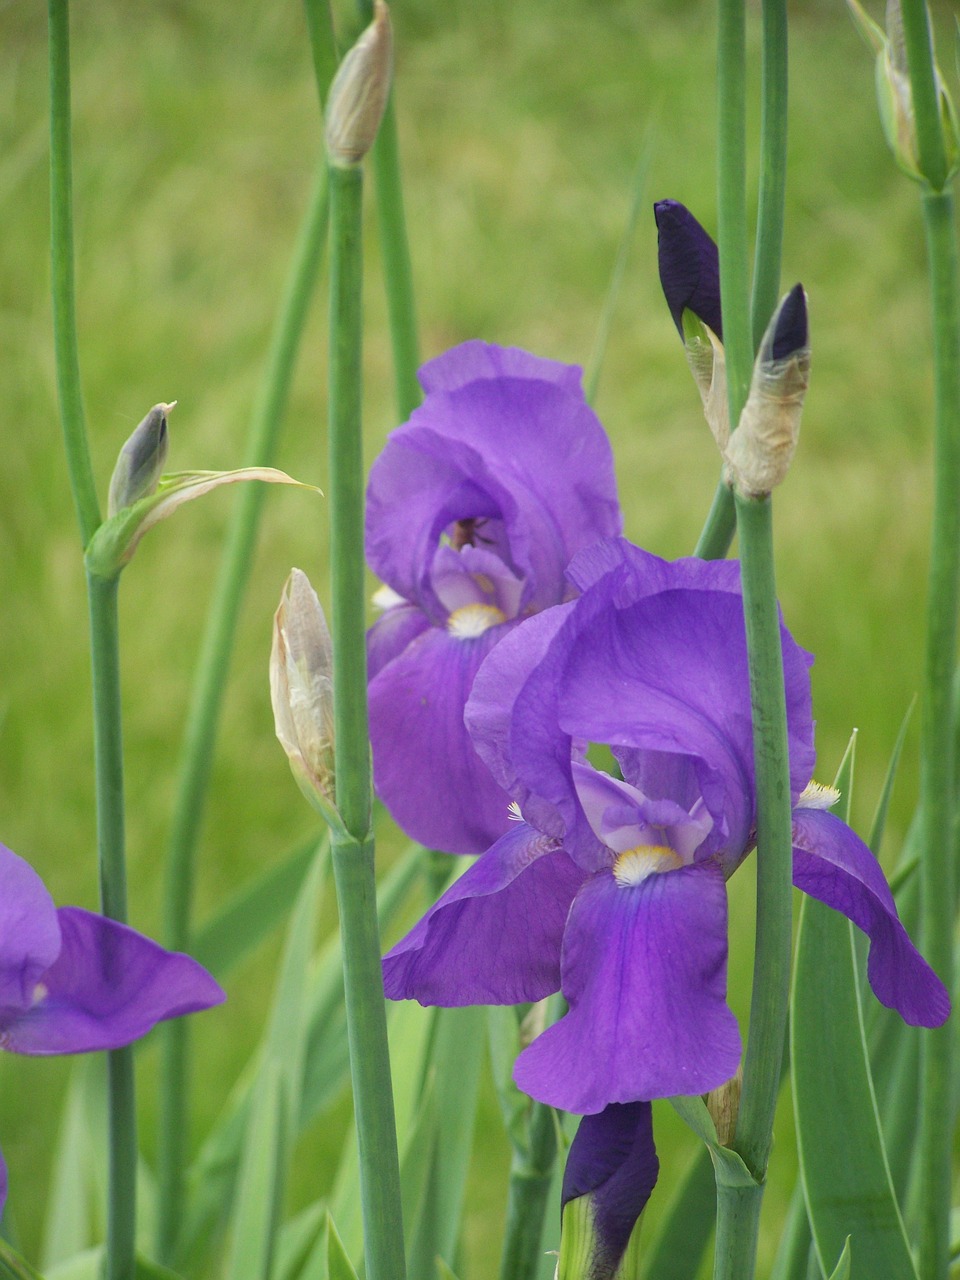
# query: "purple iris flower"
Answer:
x=72 y=981
x=612 y=888
x=474 y=510
x=612 y=1160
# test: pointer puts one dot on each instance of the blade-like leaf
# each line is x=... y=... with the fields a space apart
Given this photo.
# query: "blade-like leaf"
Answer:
x=796 y=1242
x=676 y=1250
x=257 y=1203
x=883 y=804
x=338 y=1264
x=728 y=1168
x=299 y=1238
x=842 y=1159
x=13 y=1267
x=250 y=915
x=842 y=1270
x=74 y=1219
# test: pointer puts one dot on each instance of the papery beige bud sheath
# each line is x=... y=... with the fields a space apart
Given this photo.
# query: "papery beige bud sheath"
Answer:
x=760 y=451
x=708 y=364
x=724 y=1107
x=301 y=687
x=358 y=95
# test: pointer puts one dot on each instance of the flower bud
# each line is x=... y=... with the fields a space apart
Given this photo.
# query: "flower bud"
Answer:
x=358 y=95
x=690 y=277
x=610 y=1173
x=301 y=690
x=724 y=1107
x=759 y=452
x=895 y=95
x=141 y=461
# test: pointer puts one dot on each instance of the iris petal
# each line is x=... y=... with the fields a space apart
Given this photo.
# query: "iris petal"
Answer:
x=645 y=975
x=425 y=767
x=494 y=936
x=832 y=864
x=29 y=932
x=108 y=986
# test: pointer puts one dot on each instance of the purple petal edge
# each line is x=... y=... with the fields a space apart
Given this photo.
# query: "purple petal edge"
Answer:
x=832 y=864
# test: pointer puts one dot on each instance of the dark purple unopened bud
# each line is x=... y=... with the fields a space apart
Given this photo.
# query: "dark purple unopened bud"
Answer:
x=612 y=1168
x=689 y=266
x=790 y=332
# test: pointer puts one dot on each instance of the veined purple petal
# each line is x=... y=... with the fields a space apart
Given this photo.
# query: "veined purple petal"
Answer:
x=475 y=360
x=645 y=975
x=613 y=1160
x=391 y=633
x=689 y=266
x=29 y=932
x=524 y=450
x=494 y=937
x=425 y=767
x=108 y=987
x=832 y=864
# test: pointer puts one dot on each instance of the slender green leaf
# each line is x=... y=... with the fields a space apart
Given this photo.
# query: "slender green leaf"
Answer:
x=456 y=1054
x=842 y=1270
x=257 y=1203
x=249 y=917
x=883 y=804
x=299 y=1239
x=686 y=1226
x=729 y=1169
x=443 y=1271
x=88 y=1265
x=213 y=1176
x=338 y=1264
x=842 y=1159
x=75 y=1208
x=796 y=1242
x=13 y=1267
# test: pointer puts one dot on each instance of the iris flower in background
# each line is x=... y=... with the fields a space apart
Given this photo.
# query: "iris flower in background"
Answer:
x=72 y=981
x=475 y=508
x=611 y=1170
x=611 y=886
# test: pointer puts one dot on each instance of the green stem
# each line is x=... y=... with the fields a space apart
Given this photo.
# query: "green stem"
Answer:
x=773 y=167
x=720 y=526
x=395 y=254
x=731 y=207
x=210 y=680
x=937 y=737
x=61 y=270
x=931 y=152
x=771 y=987
x=353 y=859
x=108 y=761
x=531 y=1176
x=738 y=1221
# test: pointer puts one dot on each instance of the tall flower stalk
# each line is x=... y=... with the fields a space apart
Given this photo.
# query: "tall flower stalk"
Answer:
x=104 y=640
x=738 y=1207
x=937 y=738
x=354 y=111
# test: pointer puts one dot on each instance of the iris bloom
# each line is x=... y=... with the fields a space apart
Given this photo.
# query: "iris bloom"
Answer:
x=613 y=1163
x=474 y=510
x=72 y=981
x=612 y=888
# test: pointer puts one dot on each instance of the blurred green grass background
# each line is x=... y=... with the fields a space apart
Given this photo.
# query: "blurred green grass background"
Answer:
x=196 y=136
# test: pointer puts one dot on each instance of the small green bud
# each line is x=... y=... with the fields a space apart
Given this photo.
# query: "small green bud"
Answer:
x=759 y=452
x=301 y=690
x=358 y=96
x=141 y=461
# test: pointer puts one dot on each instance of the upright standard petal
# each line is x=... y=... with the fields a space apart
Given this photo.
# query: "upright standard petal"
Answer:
x=832 y=864
x=494 y=937
x=645 y=975
x=613 y=1160
x=108 y=987
x=29 y=932
x=475 y=360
